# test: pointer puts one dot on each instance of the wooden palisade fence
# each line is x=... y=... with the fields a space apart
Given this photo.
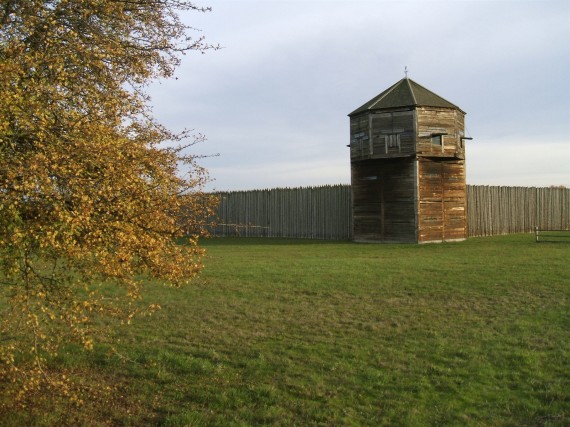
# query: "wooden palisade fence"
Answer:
x=310 y=212
x=326 y=212
x=507 y=210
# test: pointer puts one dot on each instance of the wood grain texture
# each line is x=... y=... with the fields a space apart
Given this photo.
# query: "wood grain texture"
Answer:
x=326 y=212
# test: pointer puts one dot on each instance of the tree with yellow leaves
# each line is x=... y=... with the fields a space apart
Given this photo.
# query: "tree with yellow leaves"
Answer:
x=91 y=199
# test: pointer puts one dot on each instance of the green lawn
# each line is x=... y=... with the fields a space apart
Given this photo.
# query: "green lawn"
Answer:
x=292 y=332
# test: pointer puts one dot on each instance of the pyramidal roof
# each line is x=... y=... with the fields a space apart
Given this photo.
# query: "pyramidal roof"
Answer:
x=405 y=93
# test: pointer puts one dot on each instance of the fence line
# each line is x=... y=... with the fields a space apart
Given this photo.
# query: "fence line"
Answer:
x=326 y=212
x=310 y=212
x=507 y=210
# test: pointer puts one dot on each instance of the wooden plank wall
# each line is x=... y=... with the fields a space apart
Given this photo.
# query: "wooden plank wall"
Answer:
x=396 y=123
x=326 y=212
x=312 y=213
x=493 y=210
x=384 y=200
x=442 y=200
x=369 y=135
x=433 y=120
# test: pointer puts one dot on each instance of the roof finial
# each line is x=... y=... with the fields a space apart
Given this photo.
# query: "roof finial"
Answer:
x=406 y=71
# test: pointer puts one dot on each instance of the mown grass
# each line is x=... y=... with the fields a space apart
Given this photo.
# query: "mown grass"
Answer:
x=289 y=332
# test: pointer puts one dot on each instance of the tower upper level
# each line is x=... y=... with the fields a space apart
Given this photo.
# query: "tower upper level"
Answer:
x=406 y=120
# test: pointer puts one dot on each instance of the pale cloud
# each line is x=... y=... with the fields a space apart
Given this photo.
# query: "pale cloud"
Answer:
x=519 y=163
x=273 y=102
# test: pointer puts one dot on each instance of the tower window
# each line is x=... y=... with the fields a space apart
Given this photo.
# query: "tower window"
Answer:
x=436 y=139
x=393 y=140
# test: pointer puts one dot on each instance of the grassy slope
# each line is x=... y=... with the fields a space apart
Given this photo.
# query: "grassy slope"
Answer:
x=322 y=333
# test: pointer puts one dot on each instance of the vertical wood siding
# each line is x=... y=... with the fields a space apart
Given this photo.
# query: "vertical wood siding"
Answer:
x=507 y=210
x=326 y=212
x=312 y=213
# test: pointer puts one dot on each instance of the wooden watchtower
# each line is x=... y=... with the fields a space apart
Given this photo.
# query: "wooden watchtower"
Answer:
x=407 y=159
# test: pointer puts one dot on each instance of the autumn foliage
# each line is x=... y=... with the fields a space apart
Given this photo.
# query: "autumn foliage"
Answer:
x=94 y=194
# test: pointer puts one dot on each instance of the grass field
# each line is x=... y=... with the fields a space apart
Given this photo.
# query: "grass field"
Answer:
x=289 y=332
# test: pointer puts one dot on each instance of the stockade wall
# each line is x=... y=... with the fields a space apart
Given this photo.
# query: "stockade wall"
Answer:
x=507 y=210
x=326 y=212
x=311 y=212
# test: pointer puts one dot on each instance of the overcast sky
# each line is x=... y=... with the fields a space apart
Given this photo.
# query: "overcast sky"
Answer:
x=273 y=102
